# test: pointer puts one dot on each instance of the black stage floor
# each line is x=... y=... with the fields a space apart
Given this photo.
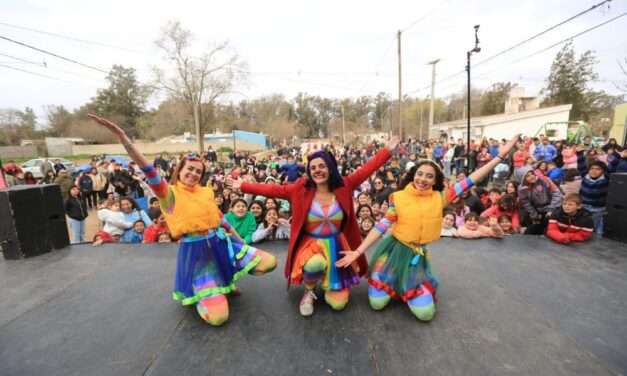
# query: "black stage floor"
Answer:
x=521 y=306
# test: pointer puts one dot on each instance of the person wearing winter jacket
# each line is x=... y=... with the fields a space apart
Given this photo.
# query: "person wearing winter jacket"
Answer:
x=538 y=197
x=86 y=185
x=76 y=212
x=545 y=151
x=112 y=218
x=595 y=182
x=100 y=184
x=617 y=160
x=569 y=157
x=571 y=222
x=242 y=220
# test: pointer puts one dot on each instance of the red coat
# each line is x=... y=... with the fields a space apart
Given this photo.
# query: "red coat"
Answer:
x=301 y=198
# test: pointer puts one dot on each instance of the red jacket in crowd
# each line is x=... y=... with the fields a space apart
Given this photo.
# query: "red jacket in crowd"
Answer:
x=565 y=228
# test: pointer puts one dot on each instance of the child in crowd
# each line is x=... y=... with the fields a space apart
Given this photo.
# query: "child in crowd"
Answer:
x=272 y=228
x=506 y=205
x=494 y=196
x=365 y=225
x=154 y=203
x=571 y=222
x=76 y=211
x=113 y=222
x=364 y=211
x=257 y=210
x=137 y=233
x=506 y=224
x=222 y=205
x=555 y=173
x=572 y=182
x=164 y=237
x=158 y=226
x=241 y=219
x=460 y=210
x=595 y=182
x=473 y=229
x=448 y=225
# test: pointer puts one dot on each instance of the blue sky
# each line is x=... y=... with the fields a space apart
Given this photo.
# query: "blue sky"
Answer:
x=330 y=48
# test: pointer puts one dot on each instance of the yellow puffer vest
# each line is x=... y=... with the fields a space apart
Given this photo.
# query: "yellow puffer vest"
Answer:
x=194 y=210
x=419 y=215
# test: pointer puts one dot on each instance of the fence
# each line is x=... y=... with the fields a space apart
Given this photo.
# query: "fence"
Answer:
x=9 y=152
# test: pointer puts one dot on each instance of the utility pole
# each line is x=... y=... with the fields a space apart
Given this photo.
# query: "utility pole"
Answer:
x=431 y=108
x=343 y=127
x=400 y=88
x=474 y=50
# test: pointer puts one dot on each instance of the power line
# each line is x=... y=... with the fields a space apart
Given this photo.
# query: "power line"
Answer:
x=53 y=54
x=423 y=17
x=33 y=73
x=556 y=44
x=71 y=38
x=23 y=60
x=535 y=36
x=542 y=32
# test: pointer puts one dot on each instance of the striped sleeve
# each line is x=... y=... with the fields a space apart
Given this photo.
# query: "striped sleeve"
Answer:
x=451 y=193
x=224 y=223
x=159 y=187
x=388 y=219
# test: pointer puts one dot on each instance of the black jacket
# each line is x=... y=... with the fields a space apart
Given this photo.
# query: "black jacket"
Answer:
x=75 y=208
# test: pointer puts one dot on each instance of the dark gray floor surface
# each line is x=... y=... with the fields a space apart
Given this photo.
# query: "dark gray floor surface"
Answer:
x=520 y=306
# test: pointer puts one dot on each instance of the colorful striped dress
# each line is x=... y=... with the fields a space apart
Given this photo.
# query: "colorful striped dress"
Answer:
x=401 y=264
x=209 y=260
x=323 y=236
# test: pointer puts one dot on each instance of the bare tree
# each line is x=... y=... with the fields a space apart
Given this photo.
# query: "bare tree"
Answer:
x=196 y=80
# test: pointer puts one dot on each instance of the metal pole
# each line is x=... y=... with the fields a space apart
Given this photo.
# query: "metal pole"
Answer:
x=468 y=112
x=400 y=91
x=432 y=106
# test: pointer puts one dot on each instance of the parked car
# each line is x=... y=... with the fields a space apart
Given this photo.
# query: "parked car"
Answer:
x=34 y=166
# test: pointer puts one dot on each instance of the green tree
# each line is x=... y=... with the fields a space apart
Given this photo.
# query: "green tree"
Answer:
x=59 y=121
x=493 y=100
x=124 y=99
x=568 y=82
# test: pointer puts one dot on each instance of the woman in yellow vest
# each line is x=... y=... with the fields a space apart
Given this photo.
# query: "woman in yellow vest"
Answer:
x=400 y=267
x=211 y=256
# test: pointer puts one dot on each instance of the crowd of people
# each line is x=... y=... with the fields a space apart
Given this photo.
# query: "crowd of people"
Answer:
x=542 y=187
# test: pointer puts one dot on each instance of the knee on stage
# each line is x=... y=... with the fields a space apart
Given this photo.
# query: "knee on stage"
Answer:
x=267 y=263
x=213 y=309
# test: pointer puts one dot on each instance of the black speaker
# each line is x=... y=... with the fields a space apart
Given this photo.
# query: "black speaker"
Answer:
x=617 y=192
x=32 y=221
x=615 y=223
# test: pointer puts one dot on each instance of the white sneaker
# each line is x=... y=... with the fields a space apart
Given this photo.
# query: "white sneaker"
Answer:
x=307 y=303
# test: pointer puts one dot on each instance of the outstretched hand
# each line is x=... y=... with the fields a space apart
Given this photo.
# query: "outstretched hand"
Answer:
x=392 y=143
x=111 y=126
x=505 y=149
x=349 y=258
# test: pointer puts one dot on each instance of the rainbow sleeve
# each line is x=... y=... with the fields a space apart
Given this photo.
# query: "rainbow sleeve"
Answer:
x=224 y=223
x=455 y=191
x=388 y=219
x=159 y=187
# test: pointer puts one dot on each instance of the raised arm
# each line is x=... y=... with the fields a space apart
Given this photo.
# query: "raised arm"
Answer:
x=266 y=190
x=356 y=178
x=481 y=173
x=154 y=180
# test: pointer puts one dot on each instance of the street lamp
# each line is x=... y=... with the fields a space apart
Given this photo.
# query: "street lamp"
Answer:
x=477 y=49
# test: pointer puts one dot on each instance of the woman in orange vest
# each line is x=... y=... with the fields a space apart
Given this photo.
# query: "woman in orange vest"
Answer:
x=400 y=267
x=211 y=256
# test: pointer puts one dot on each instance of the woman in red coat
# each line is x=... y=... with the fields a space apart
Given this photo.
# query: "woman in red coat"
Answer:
x=323 y=225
